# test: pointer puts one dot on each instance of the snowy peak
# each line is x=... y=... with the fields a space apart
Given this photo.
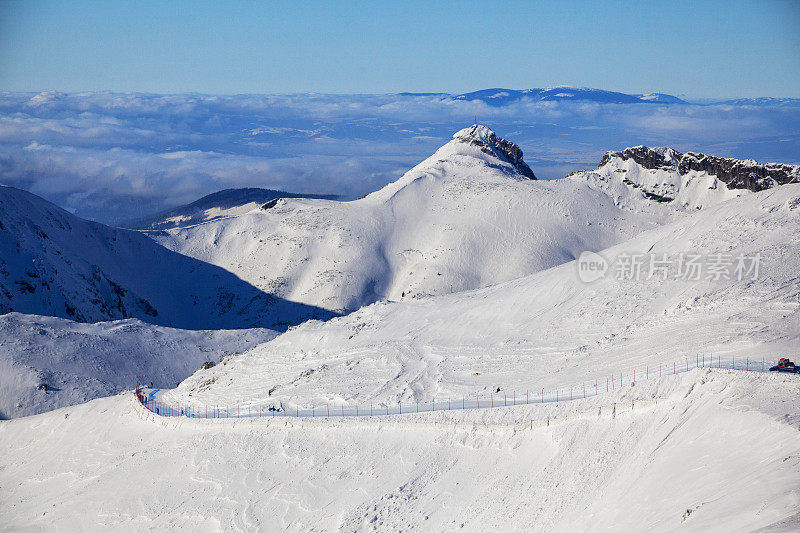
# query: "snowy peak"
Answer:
x=662 y=180
x=734 y=173
x=474 y=155
x=489 y=143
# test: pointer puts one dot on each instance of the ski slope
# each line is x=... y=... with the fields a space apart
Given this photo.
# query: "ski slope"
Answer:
x=707 y=450
x=543 y=330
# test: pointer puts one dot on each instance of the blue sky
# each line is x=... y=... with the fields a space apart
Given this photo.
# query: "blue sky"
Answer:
x=699 y=49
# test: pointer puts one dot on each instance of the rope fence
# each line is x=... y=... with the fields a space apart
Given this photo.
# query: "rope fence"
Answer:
x=585 y=389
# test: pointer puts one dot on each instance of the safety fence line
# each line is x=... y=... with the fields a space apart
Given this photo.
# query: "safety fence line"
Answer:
x=586 y=389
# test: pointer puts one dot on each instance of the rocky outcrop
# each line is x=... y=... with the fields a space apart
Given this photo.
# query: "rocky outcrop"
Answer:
x=489 y=143
x=735 y=173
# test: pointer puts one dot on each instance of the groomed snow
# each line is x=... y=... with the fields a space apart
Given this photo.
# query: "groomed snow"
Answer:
x=707 y=450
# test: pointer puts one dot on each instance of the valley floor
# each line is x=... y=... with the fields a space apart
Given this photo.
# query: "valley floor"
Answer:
x=704 y=450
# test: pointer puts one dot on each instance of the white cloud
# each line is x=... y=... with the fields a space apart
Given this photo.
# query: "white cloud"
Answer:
x=112 y=156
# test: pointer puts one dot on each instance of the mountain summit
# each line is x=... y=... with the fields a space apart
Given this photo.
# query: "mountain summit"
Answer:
x=471 y=215
x=491 y=144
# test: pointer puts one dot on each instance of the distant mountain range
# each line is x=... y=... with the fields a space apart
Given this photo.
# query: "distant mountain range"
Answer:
x=498 y=97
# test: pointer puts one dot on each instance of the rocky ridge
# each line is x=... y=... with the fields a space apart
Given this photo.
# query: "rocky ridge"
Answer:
x=735 y=173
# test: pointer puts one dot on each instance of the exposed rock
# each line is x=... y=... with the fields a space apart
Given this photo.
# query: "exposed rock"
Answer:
x=735 y=173
x=491 y=144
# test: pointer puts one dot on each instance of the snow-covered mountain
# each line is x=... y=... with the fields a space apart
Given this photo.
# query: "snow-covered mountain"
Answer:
x=55 y=264
x=681 y=180
x=221 y=204
x=708 y=449
x=500 y=97
x=705 y=450
x=469 y=216
x=47 y=363
x=549 y=328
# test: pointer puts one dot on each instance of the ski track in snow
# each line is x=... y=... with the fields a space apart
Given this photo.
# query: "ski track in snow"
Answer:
x=724 y=444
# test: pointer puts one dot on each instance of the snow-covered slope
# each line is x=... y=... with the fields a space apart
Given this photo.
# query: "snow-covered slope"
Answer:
x=221 y=204
x=53 y=263
x=643 y=177
x=548 y=329
x=79 y=362
x=703 y=451
x=468 y=216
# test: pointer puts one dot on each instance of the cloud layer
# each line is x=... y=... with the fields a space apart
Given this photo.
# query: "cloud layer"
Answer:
x=111 y=157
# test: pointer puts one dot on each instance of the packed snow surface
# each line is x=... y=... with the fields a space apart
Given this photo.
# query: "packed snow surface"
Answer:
x=708 y=450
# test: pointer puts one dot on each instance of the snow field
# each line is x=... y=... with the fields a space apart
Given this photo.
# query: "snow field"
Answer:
x=721 y=444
